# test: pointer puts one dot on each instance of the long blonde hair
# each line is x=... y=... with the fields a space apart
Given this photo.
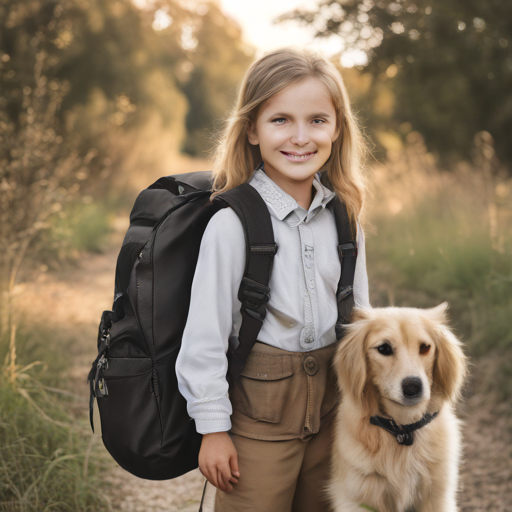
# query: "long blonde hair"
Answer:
x=235 y=159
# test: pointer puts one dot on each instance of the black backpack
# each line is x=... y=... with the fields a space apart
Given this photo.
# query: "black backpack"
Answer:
x=144 y=421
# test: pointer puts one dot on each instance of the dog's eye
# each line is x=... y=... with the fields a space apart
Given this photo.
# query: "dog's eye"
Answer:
x=385 y=349
x=424 y=348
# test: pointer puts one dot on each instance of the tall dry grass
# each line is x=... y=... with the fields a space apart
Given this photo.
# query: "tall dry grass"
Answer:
x=447 y=235
x=48 y=458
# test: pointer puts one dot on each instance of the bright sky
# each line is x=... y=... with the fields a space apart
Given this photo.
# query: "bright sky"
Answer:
x=256 y=17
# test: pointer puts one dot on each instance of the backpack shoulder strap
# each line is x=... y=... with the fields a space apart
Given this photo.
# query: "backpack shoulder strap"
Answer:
x=254 y=292
x=347 y=252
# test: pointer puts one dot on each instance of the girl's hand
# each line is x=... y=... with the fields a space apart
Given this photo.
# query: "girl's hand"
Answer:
x=218 y=460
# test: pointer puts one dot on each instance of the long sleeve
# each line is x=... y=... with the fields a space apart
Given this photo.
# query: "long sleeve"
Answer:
x=361 y=292
x=202 y=363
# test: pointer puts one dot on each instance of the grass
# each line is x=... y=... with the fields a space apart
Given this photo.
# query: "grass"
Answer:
x=448 y=236
x=47 y=462
x=48 y=458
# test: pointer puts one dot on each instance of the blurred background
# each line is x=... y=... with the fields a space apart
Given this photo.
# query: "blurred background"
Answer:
x=99 y=98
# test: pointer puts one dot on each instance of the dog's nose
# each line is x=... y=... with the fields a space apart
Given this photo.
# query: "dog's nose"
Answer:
x=412 y=387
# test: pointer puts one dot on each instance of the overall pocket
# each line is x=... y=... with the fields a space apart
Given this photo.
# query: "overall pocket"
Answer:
x=263 y=386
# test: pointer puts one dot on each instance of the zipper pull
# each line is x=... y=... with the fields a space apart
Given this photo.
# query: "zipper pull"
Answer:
x=100 y=384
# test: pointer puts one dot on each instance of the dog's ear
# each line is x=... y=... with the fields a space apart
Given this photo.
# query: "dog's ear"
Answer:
x=350 y=360
x=360 y=314
x=450 y=366
x=437 y=314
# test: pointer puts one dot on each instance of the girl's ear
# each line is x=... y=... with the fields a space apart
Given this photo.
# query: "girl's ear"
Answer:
x=252 y=136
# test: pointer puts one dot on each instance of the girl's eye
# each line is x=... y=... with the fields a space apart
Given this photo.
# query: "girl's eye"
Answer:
x=424 y=348
x=385 y=349
x=321 y=120
x=278 y=119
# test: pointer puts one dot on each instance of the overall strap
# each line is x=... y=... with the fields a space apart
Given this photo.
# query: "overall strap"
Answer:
x=347 y=252
x=254 y=292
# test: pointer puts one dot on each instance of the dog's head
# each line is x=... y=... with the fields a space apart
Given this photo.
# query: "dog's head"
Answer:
x=402 y=360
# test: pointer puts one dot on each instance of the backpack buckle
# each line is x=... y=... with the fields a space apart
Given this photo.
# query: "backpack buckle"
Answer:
x=254 y=297
x=347 y=249
x=344 y=292
x=268 y=249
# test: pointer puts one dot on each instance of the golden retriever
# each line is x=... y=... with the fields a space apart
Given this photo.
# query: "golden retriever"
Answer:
x=396 y=367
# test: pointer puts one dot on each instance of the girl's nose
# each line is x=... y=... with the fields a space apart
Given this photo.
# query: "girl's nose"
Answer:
x=300 y=136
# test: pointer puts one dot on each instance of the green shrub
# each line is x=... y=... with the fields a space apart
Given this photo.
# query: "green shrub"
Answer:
x=80 y=227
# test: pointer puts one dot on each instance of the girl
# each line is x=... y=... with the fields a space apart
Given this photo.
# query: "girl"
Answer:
x=266 y=437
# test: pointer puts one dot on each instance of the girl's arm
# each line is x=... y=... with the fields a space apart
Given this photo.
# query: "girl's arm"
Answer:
x=202 y=363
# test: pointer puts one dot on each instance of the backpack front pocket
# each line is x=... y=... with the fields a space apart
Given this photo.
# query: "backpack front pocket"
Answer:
x=262 y=389
x=131 y=422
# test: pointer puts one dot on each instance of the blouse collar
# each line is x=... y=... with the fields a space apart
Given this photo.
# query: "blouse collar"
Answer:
x=282 y=204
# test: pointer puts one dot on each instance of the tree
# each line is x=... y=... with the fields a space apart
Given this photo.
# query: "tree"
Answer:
x=448 y=62
x=216 y=61
x=166 y=64
x=80 y=80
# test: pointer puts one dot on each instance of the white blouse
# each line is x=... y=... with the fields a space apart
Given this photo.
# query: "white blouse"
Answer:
x=302 y=310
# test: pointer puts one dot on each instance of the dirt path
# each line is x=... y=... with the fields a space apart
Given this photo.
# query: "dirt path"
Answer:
x=77 y=296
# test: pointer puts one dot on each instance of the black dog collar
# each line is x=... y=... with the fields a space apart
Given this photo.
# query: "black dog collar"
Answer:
x=404 y=433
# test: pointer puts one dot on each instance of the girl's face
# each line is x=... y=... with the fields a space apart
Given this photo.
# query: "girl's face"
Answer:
x=295 y=130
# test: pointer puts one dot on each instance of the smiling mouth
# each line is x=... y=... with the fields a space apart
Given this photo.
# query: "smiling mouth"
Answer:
x=298 y=157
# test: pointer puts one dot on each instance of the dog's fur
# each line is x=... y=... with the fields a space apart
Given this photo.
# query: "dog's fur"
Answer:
x=369 y=467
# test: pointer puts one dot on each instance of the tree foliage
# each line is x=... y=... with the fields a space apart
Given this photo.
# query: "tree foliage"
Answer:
x=448 y=63
x=124 y=67
x=218 y=63
x=216 y=59
x=83 y=81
